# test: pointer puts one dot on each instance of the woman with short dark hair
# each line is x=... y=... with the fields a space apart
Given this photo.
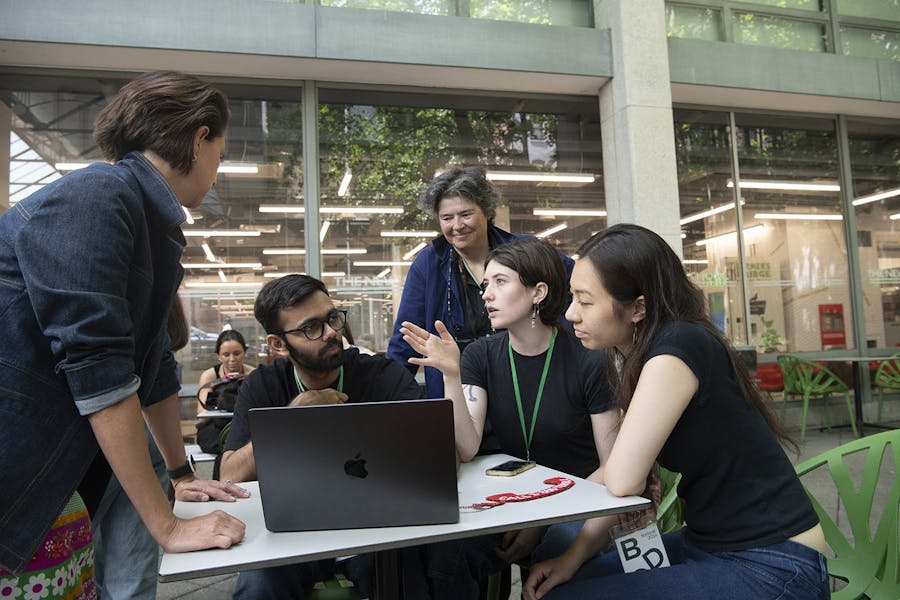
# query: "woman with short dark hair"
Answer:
x=89 y=266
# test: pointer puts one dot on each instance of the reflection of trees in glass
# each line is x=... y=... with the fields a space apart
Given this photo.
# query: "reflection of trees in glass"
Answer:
x=778 y=32
x=523 y=11
x=422 y=7
x=787 y=153
x=694 y=23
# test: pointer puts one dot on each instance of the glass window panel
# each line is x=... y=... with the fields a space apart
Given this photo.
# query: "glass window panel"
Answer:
x=422 y=7
x=693 y=22
x=573 y=13
x=387 y=147
x=875 y=163
x=876 y=9
x=777 y=32
x=708 y=216
x=872 y=43
x=814 y=5
x=794 y=234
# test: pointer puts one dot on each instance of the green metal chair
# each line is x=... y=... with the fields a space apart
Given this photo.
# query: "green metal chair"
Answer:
x=334 y=588
x=887 y=377
x=868 y=560
x=806 y=379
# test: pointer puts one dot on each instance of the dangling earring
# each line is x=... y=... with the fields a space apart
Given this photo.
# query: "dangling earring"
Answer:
x=534 y=314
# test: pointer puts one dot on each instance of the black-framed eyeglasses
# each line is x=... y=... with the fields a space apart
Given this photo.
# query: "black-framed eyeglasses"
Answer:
x=315 y=329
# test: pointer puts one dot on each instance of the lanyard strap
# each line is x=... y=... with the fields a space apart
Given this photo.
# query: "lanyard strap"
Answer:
x=469 y=270
x=302 y=388
x=540 y=392
x=557 y=485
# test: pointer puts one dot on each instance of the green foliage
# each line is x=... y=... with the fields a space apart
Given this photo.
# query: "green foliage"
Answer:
x=769 y=339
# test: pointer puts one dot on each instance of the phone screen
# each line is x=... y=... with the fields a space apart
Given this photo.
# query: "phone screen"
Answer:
x=510 y=467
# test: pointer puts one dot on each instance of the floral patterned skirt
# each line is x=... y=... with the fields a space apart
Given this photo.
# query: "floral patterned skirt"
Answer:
x=63 y=566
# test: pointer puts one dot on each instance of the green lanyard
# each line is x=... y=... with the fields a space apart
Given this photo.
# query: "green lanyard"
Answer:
x=302 y=388
x=537 y=399
x=471 y=274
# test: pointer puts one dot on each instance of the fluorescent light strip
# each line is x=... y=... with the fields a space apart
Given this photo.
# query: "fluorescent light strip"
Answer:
x=541 y=177
x=551 y=231
x=798 y=217
x=220 y=233
x=695 y=262
x=790 y=186
x=383 y=273
x=244 y=168
x=381 y=263
x=219 y=284
x=408 y=234
x=345 y=183
x=414 y=251
x=296 y=251
x=324 y=230
x=723 y=236
x=332 y=210
x=222 y=275
x=894 y=217
x=876 y=197
x=276 y=275
x=209 y=254
x=707 y=213
x=222 y=265
x=187 y=216
x=567 y=212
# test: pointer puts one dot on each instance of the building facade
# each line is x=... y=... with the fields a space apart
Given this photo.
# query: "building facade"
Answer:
x=760 y=138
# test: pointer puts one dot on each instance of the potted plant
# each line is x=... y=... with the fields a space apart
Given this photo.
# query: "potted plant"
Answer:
x=769 y=340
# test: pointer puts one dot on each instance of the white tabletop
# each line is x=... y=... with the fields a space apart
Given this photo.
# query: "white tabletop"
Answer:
x=263 y=548
x=215 y=414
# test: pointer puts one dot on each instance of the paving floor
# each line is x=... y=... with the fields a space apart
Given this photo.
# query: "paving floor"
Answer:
x=220 y=588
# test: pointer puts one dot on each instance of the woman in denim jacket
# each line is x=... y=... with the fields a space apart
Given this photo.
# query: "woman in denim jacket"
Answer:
x=89 y=266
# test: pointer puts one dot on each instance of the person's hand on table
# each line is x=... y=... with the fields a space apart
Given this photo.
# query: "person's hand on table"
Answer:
x=191 y=489
x=326 y=396
x=517 y=545
x=546 y=575
x=218 y=529
x=438 y=351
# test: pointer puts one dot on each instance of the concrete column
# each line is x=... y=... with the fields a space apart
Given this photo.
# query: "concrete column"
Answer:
x=639 y=172
x=5 y=127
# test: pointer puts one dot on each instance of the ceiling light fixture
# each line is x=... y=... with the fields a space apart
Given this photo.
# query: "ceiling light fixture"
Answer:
x=345 y=183
x=894 y=217
x=381 y=263
x=325 y=225
x=187 y=216
x=707 y=213
x=243 y=168
x=541 y=177
x=694 y=262
x=798 y=216
x=276 y=275
x=414 y=251
x=567 y=212
x=716 y=238
x=383 y=273
x=222 y=265
x=789 y=186
x=297 y=251
x=220 y=233
x=408 y=234
x=220 y=284
x=209 y=254
x=222 y=275
x=551 y=231
x=876 y=197
x=70 y=166
x=332 y=210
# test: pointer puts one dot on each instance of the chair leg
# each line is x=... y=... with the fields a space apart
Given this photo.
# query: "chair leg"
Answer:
x=880 y=402
x=852 y=414
x=825 y=400
x=803 y=416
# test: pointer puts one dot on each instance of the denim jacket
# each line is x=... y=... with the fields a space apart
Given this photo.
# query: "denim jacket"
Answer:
x=89 y=266
x=432 y=292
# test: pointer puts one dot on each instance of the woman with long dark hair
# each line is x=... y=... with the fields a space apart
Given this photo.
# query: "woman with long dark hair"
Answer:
x=689 y=403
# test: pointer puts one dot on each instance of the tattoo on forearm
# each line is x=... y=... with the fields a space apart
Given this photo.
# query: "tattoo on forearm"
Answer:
x=469 y=392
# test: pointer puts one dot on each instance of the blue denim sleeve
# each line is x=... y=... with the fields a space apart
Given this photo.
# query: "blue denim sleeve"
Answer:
x=412 y=309
x=75 y=255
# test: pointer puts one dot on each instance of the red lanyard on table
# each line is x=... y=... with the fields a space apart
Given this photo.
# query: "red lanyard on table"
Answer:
x=557 y=485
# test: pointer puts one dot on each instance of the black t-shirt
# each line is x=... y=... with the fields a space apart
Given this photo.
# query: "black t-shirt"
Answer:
x=739 y=488
x=575 y=389
x=366 y=379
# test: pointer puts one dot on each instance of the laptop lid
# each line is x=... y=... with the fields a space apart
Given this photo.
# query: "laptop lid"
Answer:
x=348 y=466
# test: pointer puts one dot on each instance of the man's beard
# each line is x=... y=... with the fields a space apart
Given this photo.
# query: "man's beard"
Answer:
x=318 y=363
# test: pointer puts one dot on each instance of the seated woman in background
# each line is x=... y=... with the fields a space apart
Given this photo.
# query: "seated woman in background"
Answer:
x=689 y=403
x=542 y=391
x=232 y=351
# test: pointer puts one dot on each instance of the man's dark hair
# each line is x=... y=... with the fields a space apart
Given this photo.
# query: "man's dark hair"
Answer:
x=280 y=293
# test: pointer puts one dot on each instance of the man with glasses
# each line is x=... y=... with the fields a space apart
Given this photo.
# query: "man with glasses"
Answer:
x=311 y=366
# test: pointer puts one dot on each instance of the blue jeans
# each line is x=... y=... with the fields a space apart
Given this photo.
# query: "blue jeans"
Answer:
x=125 y=554
x=784 y=571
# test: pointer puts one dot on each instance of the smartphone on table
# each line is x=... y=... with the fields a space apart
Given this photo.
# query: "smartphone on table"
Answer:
x=510 y=468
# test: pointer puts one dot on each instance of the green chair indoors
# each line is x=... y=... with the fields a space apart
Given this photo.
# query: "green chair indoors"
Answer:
x=868 y=559
x=807 y=379
x=887 y=377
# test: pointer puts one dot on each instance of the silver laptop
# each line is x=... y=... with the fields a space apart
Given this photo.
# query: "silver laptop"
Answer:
x=348 y=466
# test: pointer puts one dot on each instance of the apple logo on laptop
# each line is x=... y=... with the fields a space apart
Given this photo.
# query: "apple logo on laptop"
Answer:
x=356 y=467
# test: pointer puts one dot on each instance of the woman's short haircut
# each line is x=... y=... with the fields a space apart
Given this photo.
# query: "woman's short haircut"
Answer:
x=280 y=293
x=470 y=183
x=230 y=335
x=535 y=260
x=161 y=111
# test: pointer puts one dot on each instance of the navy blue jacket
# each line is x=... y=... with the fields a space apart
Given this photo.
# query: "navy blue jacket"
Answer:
x=89 y=266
